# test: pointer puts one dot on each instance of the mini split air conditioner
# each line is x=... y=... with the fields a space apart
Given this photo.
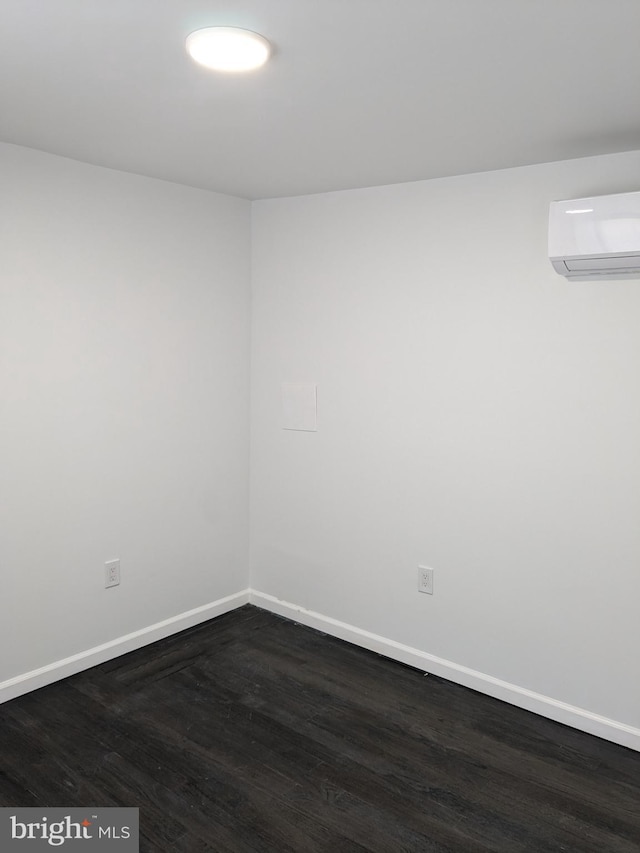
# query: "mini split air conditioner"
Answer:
x=596 y=238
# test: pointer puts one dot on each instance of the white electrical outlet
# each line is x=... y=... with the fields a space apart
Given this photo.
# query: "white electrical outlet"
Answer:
x=111 y=573
x=425 y=580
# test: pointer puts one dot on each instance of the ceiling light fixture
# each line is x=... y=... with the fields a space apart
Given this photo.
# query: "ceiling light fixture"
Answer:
x=228 y=48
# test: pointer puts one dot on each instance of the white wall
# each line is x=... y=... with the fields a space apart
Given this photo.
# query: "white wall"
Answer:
x=477 y=413
x=124 y=357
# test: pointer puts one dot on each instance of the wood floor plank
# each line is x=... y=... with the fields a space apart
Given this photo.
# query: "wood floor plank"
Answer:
x=252 y=734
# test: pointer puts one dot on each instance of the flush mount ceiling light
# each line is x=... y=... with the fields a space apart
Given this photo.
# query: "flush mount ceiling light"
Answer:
x=228 y=48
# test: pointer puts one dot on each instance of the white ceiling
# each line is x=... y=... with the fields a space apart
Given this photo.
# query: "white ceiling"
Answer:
x=358 y=93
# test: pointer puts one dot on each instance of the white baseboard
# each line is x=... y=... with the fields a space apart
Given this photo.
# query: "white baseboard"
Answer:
x=553 y=709
x=545 y=706
x=28 y=681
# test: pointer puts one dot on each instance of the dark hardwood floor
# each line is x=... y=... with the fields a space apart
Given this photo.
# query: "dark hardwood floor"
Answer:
x=251 y=733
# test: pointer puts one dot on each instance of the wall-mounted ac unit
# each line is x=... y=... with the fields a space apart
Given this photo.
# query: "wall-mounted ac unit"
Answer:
x=596 y=238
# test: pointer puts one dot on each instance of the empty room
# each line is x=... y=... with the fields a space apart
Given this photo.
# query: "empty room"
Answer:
x=320 y=426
